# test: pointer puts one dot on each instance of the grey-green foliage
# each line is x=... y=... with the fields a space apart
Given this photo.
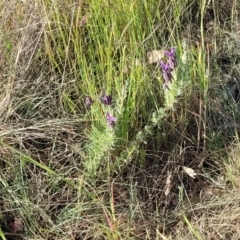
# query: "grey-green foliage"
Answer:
x=101 y=142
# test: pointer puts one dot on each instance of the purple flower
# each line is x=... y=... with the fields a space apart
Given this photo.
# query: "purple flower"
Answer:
x=166 y=71
x=168 y=67
x=88 y=102
x=106 y=99
x=171 y=58
x=111 y=121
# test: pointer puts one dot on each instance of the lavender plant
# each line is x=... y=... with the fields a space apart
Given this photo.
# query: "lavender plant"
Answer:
x=175 y=74
x=102 y=135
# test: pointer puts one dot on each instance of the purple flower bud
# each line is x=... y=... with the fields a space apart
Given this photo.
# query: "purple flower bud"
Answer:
x=166 y=71
x=111 y=121
x=88 y=102
x=171 y=58
x=106 y=99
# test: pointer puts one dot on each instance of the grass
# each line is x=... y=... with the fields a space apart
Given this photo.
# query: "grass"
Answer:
x=65 y=173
